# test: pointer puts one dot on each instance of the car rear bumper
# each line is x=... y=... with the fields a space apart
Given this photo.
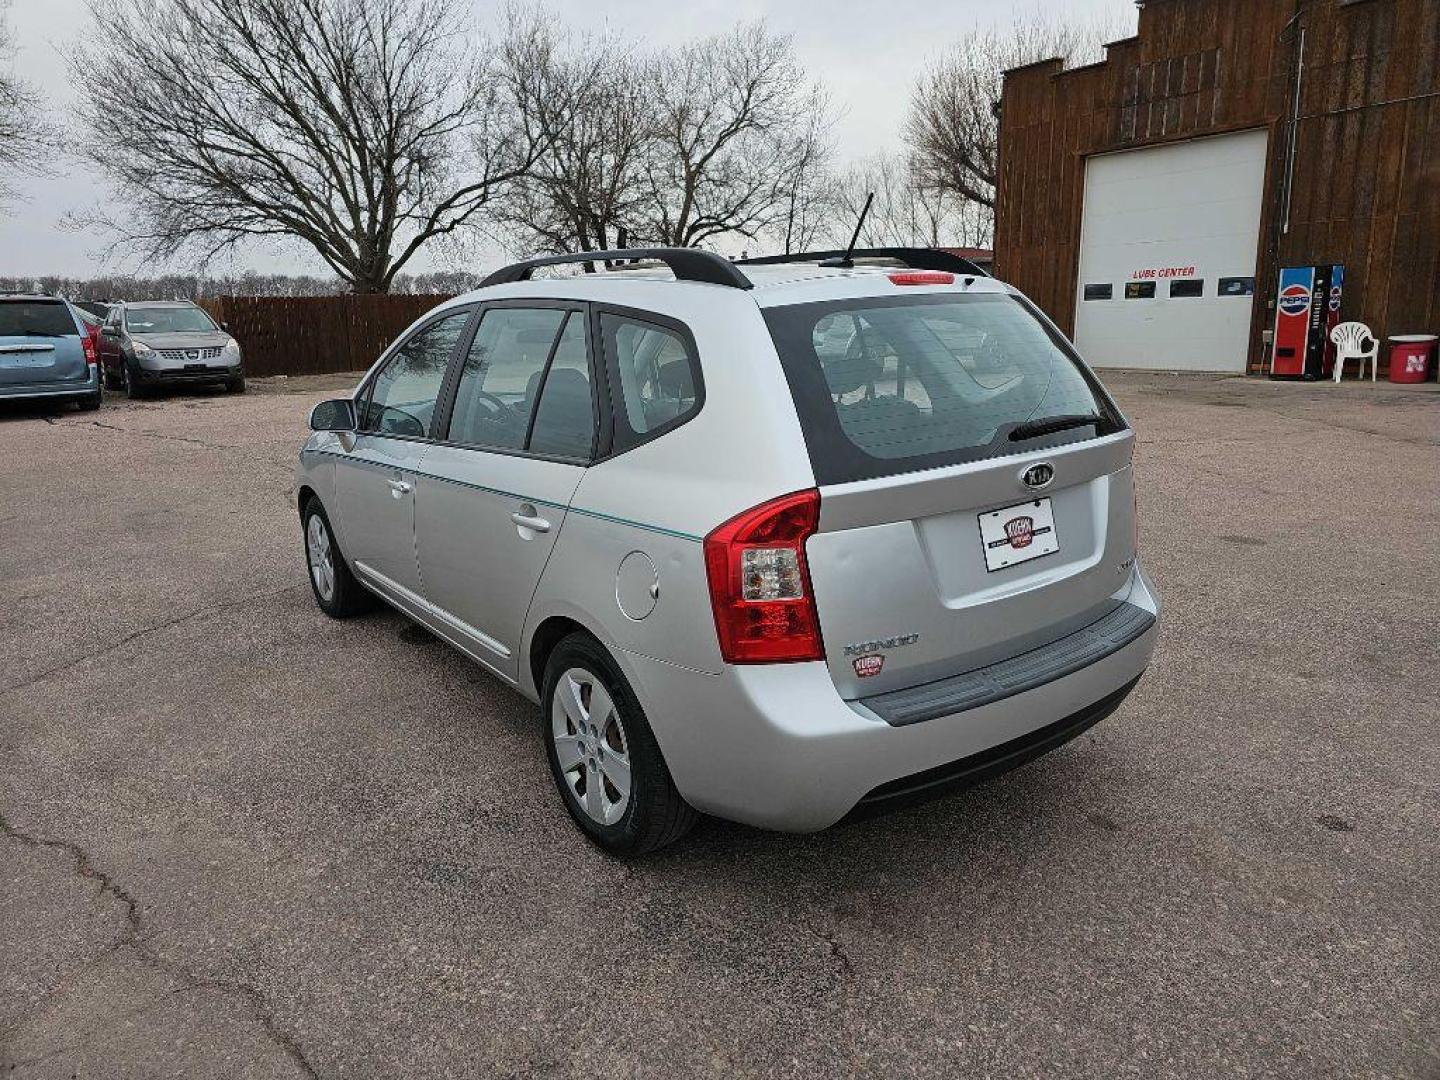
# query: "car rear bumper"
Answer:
x=65 y=389
x=776 y=746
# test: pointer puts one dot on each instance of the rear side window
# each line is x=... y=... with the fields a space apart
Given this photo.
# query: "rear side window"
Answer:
x=564 y=422
x=885 y=385
x=658 y=376
x=36 y=318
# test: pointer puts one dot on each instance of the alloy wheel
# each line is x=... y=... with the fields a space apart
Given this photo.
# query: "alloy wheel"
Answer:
x=590 y=746
x=321 y=557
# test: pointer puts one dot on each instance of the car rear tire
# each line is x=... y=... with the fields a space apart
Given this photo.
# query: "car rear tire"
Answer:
x=337 y=591
x=603 y=755
x=89 y=404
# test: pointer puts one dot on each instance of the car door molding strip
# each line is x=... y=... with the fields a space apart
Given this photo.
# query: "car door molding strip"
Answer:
x=677 y=534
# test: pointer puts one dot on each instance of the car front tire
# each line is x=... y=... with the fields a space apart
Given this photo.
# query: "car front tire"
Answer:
x=130 y=382
x=603 y=755
x=337 y=591
x=235 y=385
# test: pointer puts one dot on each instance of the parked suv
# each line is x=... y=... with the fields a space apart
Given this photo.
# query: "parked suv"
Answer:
x=45 y=351
x=773 y=542
x=165 y=342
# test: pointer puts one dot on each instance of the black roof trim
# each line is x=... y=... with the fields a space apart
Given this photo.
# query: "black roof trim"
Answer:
x=916 y=257
x=688 y=264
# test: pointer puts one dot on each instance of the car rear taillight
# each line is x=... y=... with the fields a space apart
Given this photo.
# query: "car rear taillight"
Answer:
x=759 y=583
x=923 y=277
x=88 y=343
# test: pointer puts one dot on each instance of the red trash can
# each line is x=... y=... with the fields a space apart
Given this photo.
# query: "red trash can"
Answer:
x=1410 y=357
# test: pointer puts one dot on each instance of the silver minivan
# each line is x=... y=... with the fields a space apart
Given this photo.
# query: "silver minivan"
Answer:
x=781 y=541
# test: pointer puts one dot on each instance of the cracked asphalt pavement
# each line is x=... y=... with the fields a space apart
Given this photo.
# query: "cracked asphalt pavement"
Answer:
x=238 y=839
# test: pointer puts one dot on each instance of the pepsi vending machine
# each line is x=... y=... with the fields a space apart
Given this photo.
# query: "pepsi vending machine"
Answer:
x=1306 y=310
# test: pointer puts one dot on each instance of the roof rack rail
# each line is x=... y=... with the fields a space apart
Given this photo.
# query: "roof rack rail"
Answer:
x=688 y=264
x=916 y=257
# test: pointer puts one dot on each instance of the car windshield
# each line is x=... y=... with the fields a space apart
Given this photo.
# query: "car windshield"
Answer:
x=36 y=318
x=167 y=320
x=885 y=385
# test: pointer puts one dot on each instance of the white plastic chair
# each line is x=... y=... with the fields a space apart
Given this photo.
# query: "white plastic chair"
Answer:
x=1349 y=339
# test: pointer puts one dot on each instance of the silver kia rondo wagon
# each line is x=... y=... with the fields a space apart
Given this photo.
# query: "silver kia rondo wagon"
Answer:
x=779 y=541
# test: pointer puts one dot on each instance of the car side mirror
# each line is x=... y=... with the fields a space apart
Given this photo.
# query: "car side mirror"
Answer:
x=109 y=331
x=337 y=414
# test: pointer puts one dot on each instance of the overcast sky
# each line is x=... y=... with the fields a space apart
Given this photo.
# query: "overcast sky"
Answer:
x=866 y=51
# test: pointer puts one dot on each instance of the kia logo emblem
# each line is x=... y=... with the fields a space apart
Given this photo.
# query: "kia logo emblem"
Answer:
x=1038 y=475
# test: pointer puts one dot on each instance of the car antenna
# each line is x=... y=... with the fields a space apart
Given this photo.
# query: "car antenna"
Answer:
x=845 y=260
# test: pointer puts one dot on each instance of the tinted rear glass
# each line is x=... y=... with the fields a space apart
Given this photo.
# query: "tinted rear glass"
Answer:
x=886 y=385
x=42 y=318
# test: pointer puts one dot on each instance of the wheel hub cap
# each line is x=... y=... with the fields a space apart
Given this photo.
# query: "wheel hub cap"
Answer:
x=320 y=556
x=591 y=746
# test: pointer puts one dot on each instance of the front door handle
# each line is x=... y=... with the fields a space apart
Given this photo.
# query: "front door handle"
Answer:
x=399 y=487
x=527 y=518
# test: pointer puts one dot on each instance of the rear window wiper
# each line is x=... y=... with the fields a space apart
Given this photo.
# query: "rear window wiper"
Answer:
x=1033 y=429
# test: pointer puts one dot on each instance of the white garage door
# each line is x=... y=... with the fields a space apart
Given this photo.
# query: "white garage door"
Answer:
x=1167 y=254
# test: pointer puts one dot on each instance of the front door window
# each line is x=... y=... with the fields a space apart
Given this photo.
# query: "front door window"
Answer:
x=402 y=397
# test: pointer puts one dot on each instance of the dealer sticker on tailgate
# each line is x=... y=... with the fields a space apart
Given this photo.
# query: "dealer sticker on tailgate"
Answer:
x=1018 y=534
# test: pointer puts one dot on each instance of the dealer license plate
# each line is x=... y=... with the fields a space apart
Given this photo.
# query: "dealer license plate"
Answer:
x=1018 y=534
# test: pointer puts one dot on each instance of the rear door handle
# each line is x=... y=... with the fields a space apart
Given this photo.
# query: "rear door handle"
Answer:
x=399 y=487
x=530 y=521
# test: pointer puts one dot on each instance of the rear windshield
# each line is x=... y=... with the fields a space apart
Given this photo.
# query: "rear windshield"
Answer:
x=889 y=385
x=167 y=320
x=36 y=318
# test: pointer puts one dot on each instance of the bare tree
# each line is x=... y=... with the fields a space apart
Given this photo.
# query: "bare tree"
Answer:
x=737 y=127
x=175 y=286
x=953 y=127
x=26 y=137
x=362 y=128
x=583 y=193
x=14 y=96
x=902 y=215
x=719 y=137
x=905 y=213
x=808 y=189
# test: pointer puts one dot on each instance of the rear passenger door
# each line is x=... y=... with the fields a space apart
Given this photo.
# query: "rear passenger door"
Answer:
x=522 y=427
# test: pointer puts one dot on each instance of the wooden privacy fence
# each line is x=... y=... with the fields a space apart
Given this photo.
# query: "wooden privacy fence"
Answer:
x=315 y=335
